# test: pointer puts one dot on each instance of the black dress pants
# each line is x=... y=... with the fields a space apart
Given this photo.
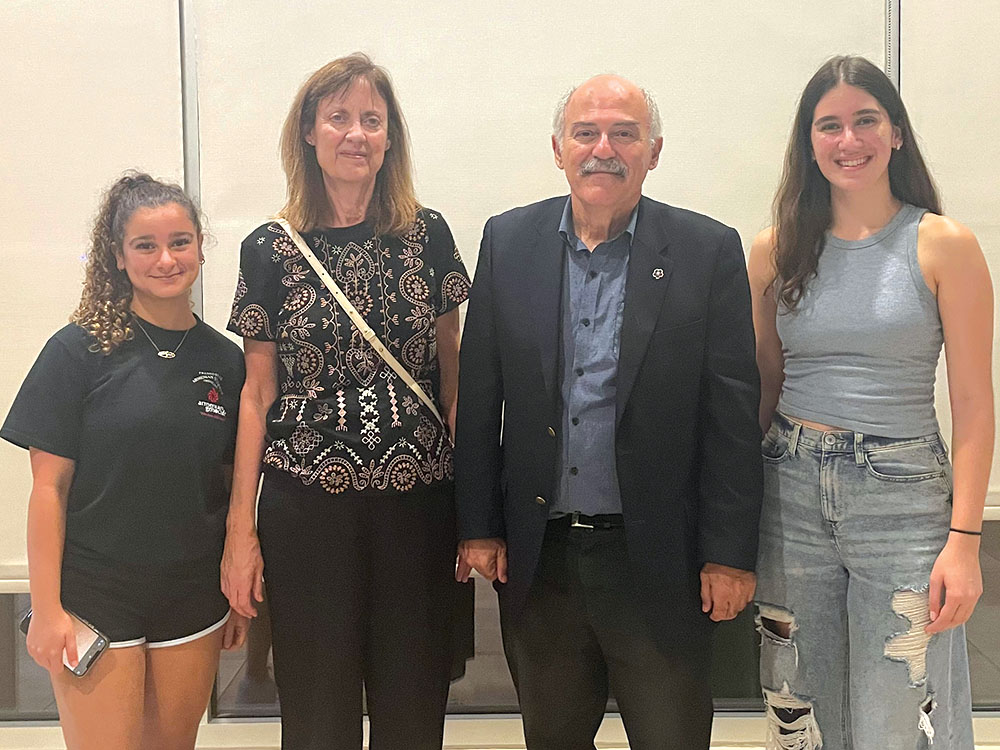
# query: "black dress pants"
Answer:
x=361 y=593
x=582 y=633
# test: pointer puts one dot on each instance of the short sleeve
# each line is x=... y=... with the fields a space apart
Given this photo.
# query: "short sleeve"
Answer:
x=236 y=385
x=259 y=292
x=453 y=280
x=48 y=411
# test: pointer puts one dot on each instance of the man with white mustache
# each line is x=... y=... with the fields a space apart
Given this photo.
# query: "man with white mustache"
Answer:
x=607 y=463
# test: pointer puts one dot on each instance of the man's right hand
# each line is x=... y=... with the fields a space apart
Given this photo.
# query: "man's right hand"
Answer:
x=242 y=572
x=488 y=557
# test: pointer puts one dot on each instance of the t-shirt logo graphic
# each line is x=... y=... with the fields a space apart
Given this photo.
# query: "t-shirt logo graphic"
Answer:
x=210 y=406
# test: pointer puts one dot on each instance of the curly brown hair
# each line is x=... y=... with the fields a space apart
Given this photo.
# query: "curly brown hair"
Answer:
x=105 y=305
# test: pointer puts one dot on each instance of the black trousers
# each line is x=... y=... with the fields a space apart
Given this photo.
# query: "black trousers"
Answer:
x=582 y=633
x=361 y=592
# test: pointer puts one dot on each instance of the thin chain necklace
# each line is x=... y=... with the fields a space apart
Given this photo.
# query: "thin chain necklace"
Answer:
x=165 y=353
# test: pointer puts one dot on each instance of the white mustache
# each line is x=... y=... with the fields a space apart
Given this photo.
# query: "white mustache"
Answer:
x=593 y=165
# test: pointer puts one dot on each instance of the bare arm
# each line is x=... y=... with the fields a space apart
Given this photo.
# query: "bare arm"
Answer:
x=448 y=338
x=242 y=566
x=770 y=359
x=51 y=629
x=955 y=270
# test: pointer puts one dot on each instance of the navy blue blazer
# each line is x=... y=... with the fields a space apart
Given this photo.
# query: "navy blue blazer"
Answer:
x=687 y=441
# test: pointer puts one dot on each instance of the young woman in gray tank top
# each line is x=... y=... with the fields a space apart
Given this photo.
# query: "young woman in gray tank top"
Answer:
x=869 y=550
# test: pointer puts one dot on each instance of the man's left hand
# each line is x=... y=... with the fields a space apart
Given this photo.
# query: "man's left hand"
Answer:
x=725 y=591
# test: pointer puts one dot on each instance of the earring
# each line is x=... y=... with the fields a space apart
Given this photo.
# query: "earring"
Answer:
x=898 y=146
x=201 y=262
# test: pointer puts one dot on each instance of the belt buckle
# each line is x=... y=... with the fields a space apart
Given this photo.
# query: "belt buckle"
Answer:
x=575 y=521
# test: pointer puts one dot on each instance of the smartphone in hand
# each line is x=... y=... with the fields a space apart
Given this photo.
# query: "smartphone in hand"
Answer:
x=90 y=642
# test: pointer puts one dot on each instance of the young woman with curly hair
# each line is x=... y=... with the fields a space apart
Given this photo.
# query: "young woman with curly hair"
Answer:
x=129 y=415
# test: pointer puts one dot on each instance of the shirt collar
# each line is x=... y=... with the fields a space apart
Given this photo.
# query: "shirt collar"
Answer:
x=566 y=225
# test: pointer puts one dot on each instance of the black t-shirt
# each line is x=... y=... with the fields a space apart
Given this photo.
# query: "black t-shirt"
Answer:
x=150 y=437
x=343 y=418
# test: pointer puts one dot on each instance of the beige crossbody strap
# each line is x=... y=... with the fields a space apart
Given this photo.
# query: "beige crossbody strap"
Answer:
x=359 y=322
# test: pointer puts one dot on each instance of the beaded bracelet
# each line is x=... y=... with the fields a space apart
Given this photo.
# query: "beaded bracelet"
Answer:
x=963 y=531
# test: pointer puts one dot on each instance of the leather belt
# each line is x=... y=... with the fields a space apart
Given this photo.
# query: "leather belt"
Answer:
x=600 y=522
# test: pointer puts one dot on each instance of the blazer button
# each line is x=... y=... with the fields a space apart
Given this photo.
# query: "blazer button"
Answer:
x=552 y=432
x=540 y=500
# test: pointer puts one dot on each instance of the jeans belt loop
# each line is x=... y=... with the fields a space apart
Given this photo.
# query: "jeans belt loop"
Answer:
x=793 y=439
x=859 y=453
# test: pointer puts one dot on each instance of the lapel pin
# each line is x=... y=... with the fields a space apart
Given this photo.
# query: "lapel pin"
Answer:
x=657 y=273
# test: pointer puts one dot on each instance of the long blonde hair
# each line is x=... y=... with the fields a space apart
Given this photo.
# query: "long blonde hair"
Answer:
x=105 y=305
x=394 y=203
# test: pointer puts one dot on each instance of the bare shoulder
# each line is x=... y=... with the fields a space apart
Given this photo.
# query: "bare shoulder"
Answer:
x=942 y=239
x=760 y=264
x=948 y=252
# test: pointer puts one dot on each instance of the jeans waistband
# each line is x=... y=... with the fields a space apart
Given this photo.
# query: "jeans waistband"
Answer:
x=842 y=441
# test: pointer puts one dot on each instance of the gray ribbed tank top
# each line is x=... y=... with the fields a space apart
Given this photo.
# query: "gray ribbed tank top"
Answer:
x=862 y=346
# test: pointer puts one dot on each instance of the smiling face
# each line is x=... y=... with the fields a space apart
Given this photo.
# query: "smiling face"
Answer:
x=852 y=139
x=161 y=253
x=605 y=148
x=350 y=134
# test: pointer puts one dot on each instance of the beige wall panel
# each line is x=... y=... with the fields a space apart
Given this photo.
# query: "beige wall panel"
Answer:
x=478 y=82
x=950 y=76
x=88 y=90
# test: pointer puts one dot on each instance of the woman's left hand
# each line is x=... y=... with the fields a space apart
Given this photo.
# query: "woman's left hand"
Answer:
x=234 y=632
x=956 y=583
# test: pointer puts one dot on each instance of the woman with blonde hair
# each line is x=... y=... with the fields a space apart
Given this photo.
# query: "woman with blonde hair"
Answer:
x=869 y=547
x=129 y=414
x=348 y=308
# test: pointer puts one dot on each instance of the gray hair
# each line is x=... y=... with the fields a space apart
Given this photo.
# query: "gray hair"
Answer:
x=559 y=118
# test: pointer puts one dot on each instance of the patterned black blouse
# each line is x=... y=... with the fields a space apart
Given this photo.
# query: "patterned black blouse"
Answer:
x=343 y=417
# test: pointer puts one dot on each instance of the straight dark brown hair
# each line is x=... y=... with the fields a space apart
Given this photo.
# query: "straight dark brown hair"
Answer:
x=802 y=211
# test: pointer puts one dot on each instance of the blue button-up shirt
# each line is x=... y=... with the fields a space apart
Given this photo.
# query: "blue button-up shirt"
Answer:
x=593 y=303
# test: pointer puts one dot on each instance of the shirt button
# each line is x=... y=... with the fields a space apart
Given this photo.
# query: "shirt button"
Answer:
x=579 y=371
x=829 y=439
x=540 y=500
x=575 y=420
x=552 y=432
x=585 y=321
x=574 y=471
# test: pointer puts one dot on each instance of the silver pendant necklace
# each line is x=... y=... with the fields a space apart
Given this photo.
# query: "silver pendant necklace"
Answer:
x=165 y=353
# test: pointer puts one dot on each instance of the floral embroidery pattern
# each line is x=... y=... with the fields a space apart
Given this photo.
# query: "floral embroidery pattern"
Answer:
x=381 y=437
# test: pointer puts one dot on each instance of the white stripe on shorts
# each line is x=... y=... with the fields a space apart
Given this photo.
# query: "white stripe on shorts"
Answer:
x=192 y=637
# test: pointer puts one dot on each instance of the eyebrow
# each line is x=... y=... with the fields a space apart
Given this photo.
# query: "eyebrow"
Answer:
x=868 y=111
x=153 y=237
x=614 y=124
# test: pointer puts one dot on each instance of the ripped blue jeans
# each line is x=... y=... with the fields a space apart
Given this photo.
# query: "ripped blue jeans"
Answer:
x=850 y=529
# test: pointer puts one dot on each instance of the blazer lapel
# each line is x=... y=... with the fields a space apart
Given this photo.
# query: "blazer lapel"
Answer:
x=649 y=270
x=544 y=269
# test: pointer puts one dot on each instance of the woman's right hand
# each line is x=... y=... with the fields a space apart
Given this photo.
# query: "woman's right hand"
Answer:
x=49 y=634
x=242 y=572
